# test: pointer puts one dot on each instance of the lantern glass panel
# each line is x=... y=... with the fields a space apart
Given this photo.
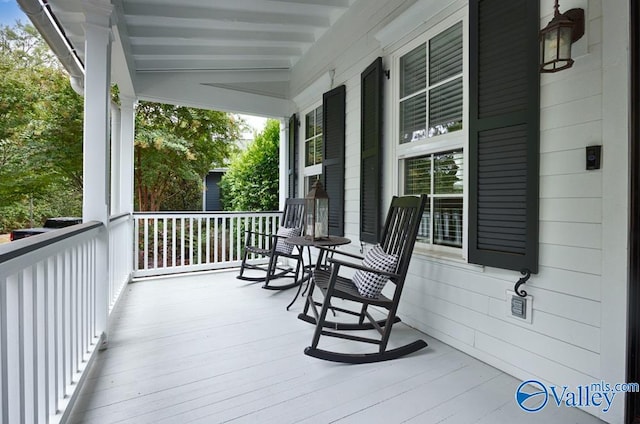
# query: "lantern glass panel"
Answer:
x=564 y=39
x=310 y=218
x=550 y=49
x=322 y=218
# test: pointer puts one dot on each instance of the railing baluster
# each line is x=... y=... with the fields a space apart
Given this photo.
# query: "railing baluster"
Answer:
x=208 y=235
x=199 y=220
x=164 y=242
x=145 y=257
x=224 y=239
x=182 y=241
x=190 y=241
x=261 y=240
x=155 y=243
x=216 y=244
x=174 y=242
x=231 y=238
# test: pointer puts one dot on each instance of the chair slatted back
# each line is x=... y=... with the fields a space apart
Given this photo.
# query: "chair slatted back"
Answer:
x=293 y=215
x=401 y=229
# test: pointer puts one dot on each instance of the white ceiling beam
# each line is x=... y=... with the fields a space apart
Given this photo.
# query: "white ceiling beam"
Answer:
x=327 y=3
x=141 y=42
x=211 y=65
x=204 y=23
x=229 y=77
x=214 y=14
x=279 y=60
x=190 y=50
x=153 y=31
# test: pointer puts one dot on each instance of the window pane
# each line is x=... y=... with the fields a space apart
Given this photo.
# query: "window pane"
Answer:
x=445 y=108
x=447 y=226
x=417 y=175
x=318 y=121
x=413 y=71
x=445 y=54
x=424 y=231
x=309 y=152
x=413 y=118
x=309 y=128
x=448 y=172
x=318 y=151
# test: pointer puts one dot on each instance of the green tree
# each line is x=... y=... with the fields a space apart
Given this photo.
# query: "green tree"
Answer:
x=175 y=147
x=40 y=132
x=251 y=184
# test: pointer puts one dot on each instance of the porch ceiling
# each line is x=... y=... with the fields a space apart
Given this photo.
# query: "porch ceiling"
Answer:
x=193 y=51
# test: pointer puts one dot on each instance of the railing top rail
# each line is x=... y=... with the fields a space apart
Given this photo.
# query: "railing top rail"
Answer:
x=26 y=245
x=118 y=217
x=205 y=213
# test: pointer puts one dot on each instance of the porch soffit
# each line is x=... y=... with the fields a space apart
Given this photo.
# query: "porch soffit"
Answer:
x=202 y=52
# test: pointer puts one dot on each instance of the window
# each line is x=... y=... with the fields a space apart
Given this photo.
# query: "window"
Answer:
x=313 y=137
x=431 y=94
x=431 y=132
x=440 y=176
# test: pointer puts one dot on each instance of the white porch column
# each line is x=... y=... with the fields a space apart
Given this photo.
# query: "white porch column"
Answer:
x=127 y=137
x=97 y=101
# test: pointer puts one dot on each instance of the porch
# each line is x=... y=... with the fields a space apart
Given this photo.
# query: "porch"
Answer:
x=206 y=347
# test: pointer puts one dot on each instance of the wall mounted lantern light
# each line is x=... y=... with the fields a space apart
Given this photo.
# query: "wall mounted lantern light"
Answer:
x=317 y=213
x=556 y=39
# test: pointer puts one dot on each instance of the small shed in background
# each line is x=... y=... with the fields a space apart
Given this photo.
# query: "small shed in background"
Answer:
x=211 y=193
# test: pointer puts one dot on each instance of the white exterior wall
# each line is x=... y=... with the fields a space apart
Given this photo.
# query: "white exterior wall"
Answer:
x=578 y=329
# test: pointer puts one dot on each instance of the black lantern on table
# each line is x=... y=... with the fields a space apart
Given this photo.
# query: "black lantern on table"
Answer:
x=317 y=213
x=556 y=39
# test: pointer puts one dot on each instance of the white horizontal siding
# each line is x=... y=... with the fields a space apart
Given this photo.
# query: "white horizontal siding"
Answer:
x=466 y=306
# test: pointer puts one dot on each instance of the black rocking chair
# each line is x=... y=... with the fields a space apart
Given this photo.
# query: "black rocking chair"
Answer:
x=398 y=239
x=291 y=223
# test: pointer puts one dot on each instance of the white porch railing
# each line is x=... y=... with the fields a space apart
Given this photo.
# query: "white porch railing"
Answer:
x=173 y=242
x=53 y=307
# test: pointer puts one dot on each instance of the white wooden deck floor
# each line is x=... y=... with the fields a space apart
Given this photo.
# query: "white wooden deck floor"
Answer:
x=208 y=348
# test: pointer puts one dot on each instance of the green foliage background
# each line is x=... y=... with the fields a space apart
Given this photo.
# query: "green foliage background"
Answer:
x=252 y=182
x=175 y=147
x=40 y=133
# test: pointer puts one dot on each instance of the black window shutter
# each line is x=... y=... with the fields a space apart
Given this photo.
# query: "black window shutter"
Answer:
x=504 y=130
x=333 y=127
x=293 y=156
x=370 y=151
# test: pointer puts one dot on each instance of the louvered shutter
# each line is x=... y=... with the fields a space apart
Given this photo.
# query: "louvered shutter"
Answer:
x=293 y=156
x=504 y=134
x=370 y=152
x=333 y=124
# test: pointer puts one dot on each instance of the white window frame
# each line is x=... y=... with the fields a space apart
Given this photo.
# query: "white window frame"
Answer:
x=313 y=170
x=440 y=143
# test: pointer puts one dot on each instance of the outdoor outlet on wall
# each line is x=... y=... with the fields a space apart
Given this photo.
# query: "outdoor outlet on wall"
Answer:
x=519 y=308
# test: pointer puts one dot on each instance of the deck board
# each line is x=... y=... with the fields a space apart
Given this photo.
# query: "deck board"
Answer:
x=207 y=348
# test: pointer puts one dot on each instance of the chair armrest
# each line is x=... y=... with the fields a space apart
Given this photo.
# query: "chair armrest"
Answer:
x=333 y=250
x=257 y=233
x=363 y=268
